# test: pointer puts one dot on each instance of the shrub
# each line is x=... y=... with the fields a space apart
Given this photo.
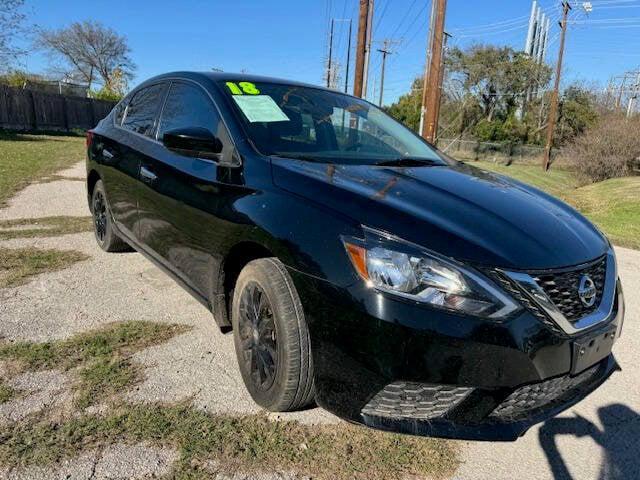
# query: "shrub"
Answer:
x=487 y=130
x=608 y=149
x=107 y=94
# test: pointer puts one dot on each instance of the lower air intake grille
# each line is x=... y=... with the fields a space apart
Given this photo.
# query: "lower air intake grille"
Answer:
x=415 y=400
x=530 y=397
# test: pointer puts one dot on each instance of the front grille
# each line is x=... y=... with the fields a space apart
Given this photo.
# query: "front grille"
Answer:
x=562 y=288
x=524 y=400
x=512 y=289
x=415 y=400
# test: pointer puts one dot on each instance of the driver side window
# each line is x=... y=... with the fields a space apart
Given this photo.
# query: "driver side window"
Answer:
x=188 y=106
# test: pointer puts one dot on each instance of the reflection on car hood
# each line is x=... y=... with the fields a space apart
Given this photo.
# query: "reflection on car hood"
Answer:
x=459 y=211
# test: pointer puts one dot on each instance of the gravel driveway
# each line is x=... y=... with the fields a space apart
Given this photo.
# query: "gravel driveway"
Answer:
x=597 y=439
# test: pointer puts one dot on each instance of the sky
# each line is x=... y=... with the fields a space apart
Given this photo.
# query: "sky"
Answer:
x=289 y=38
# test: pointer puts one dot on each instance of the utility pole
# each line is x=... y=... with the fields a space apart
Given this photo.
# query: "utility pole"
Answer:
x=385 y=51
x=431 y=90
x=367 y=57
x=329 y=66
x=427 y=62
x=346 y=78
x=528 y=46
x=620 y=92
x=544 y=41
x=553 y=109
x=364 y=36
x=632 y=99
x=529 y=50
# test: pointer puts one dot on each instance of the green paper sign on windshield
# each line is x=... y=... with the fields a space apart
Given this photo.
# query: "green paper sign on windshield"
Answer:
x=260 y=108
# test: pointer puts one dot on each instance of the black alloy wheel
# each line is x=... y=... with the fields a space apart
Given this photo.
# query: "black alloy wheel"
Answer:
x=108 y=240
x=258 y=336
x=271 y=337
x=100 y=216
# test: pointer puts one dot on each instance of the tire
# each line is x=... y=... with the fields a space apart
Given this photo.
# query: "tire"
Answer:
x=274 y=332
x=106 y=237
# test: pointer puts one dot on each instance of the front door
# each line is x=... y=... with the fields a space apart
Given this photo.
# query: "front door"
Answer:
x=180 y=198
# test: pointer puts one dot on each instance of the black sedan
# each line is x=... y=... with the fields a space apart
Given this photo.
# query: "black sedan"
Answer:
x=357 y=266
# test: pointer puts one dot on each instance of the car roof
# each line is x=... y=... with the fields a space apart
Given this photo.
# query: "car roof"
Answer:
x=226 y=76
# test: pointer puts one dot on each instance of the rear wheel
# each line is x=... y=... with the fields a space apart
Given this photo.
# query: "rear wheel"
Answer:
x=105 y=235
x=271 y=337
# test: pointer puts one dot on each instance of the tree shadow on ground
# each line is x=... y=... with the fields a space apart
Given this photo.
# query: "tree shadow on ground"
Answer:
x=619 y=439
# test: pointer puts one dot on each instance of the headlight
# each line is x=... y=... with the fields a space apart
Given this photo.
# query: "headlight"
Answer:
x=395 y=266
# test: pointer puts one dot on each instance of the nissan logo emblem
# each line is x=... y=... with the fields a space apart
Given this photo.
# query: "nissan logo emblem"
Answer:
x=587 y=291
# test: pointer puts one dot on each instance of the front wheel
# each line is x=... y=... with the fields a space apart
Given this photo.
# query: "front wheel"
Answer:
x=271 y=337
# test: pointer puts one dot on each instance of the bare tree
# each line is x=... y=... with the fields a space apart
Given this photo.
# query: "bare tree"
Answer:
x=11 y=20
x=91 y=52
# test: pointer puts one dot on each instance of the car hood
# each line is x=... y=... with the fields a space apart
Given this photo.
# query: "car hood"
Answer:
x=459 y=211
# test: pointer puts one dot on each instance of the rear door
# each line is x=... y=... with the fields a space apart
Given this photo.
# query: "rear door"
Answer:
x=135 y=135
x=180 y=197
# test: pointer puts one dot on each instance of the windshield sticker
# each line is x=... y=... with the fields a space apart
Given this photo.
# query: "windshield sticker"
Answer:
x=242 y=88
x=260 y=108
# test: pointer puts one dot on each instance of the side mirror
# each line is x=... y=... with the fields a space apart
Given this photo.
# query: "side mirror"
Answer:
x=193 y=142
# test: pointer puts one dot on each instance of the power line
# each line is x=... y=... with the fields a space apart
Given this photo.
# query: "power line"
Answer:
x=378 y=21
x=491 y=26
x=605 y=20
x=403 y=44
x=406 y=15
x=344 y=11
x=497 y=32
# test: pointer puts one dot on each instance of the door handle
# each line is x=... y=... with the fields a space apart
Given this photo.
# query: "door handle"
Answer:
x=147 y=175
x=107 y=154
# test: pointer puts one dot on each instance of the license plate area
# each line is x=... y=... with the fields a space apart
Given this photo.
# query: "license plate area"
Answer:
x=589 y=351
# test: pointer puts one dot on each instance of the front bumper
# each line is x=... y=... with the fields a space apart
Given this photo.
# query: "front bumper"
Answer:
x=398 y=366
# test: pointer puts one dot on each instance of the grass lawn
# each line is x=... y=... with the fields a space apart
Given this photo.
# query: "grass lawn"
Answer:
x=26 y=158
x=613 y=205
x=17 y=265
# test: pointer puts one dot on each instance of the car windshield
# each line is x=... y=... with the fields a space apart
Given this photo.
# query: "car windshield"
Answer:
x=319 y=125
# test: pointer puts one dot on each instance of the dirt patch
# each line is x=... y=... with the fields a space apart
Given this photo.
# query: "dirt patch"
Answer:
x=102 y=366
x=249 y=444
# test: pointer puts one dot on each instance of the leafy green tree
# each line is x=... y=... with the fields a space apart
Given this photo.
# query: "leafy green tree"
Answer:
x=498 y=77
x=578 y=111
x=484 y=91
x=407 y=108
x=19 y=78
x=107 y=94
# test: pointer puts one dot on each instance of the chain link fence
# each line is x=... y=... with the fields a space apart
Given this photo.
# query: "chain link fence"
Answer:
x=497 y=152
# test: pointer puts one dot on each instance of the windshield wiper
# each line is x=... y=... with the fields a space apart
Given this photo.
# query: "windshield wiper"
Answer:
x=407 y=162
x=307 y=158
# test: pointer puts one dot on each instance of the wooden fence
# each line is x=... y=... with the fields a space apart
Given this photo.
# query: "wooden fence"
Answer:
x=34 y=110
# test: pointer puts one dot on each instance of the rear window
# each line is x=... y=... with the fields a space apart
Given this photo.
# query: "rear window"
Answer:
x=119 y=112
x=142 y=110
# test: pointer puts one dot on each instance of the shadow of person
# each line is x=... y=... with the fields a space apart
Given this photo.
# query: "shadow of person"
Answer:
x=619 y=439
